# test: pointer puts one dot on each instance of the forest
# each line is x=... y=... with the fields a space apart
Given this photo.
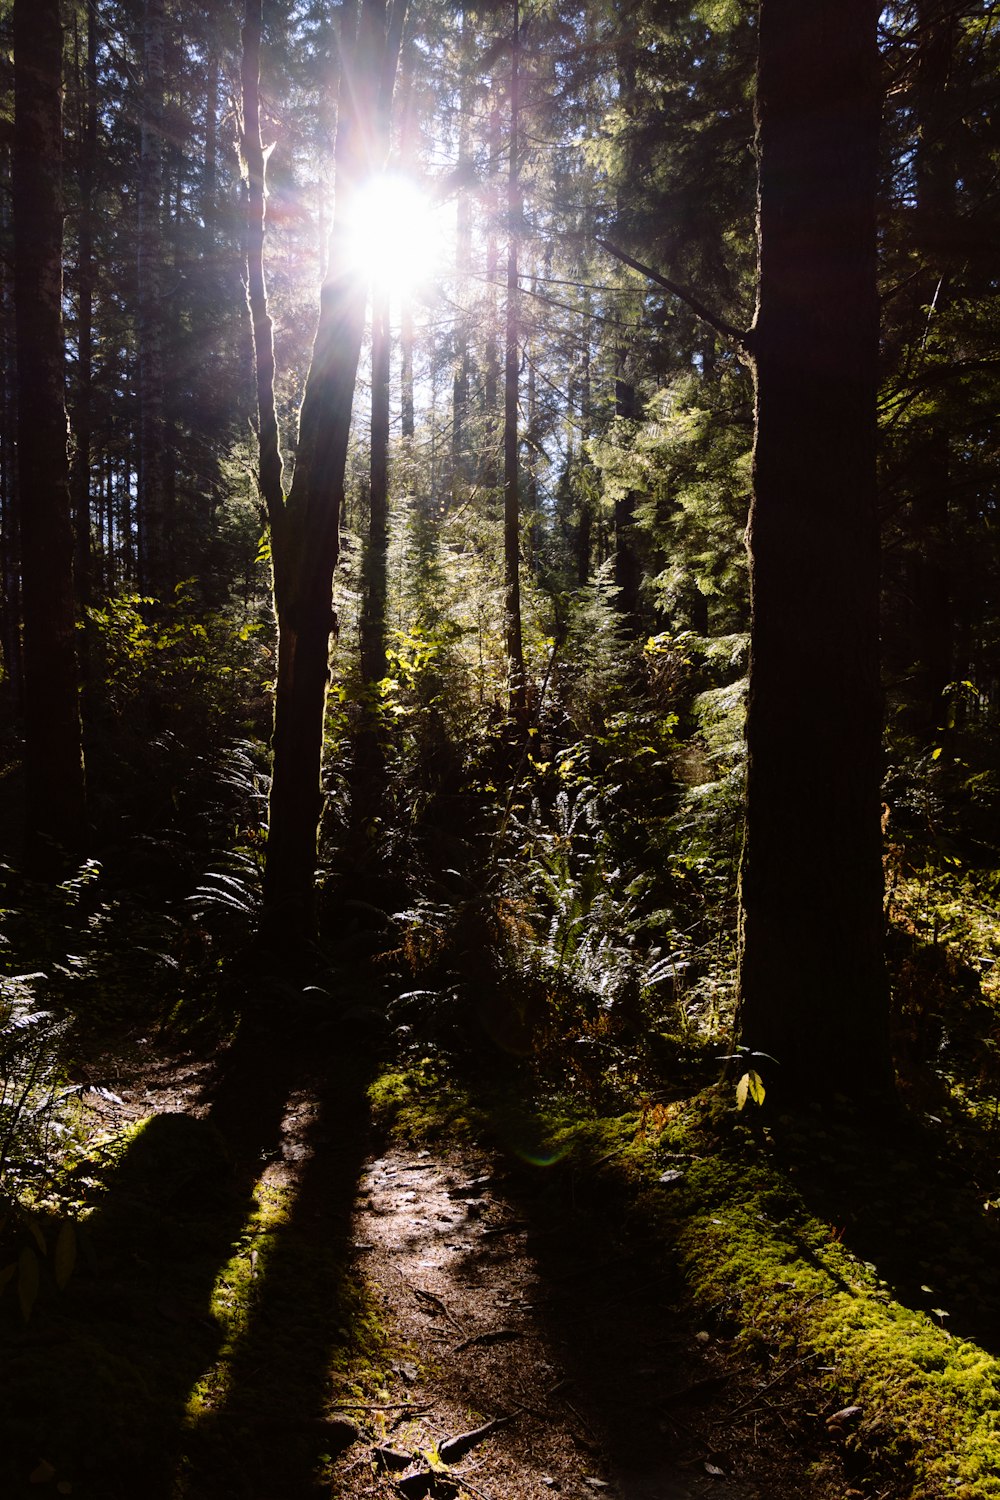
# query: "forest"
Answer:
x=500 y=749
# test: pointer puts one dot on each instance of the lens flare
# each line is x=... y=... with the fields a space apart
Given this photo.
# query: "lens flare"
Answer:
x=398 y=235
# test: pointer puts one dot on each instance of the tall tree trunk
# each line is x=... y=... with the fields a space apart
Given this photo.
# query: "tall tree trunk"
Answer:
x=491 y=381
x=262 y=330
x=813 y=989
x=368 y=781
x=55 y=793
x=210 y=172
x=407 y=159
x=933 y=630
x=10 y=530
x=406 y=418
x=627 y=572
x=511 y=494
x=585 y=526
x=83 y=406
x=463 y=271
x=373 y=662
x=152 y=492
x=377 y=550
x=530 y=507
x=305 y=542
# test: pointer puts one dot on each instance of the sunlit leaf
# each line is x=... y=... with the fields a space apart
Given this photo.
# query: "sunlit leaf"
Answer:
x=750 y=1086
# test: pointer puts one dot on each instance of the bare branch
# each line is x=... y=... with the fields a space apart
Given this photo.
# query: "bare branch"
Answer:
x=738 y=336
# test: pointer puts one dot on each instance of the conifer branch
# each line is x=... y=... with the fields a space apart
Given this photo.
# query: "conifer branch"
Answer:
x=738 y=336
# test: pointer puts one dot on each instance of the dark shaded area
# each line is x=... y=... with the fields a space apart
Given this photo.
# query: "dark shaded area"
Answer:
x=643 y=1384
x=135 y=1317
x=916 y=1204
x=274 y=1429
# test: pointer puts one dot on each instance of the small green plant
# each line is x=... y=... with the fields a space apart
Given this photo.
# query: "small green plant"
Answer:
x=750 y=1087
x=28 y=1038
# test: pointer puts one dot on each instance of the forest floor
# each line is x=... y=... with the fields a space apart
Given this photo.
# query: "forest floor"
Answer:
x=274 y=1299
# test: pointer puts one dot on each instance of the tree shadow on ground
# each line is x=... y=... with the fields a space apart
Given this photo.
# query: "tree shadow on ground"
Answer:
x=916 y=1202
x=657 y=1373
x=269 y=1432
x=97 y=1385
x=662 y=1400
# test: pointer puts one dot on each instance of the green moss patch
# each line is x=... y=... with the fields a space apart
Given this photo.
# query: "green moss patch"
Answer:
x=207 y=1329
x=784 y=1293
x=929 y=1403
x=421 y=1102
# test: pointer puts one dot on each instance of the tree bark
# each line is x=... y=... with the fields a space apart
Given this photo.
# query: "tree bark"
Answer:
x=813 y=989
x=306 y=541
x=491 y=375
x=463 y=270
x=517 y=694
x=406 y=417
x=83 y=405
x=585 y=525
x=373 y=647
x=152 y=491
x=262 y=330
x=55 y=789
x=627 y=572
x=933 y=631
x=373 y=664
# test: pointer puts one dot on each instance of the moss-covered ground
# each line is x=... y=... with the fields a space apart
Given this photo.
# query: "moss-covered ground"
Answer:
x=211 y=1314
x=853 y=1276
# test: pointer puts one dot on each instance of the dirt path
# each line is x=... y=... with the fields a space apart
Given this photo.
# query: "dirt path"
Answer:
x=535 y=1297
x=512 y=1303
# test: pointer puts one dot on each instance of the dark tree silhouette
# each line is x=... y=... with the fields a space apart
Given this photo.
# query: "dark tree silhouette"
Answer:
x=812 y=979
x=55 y=796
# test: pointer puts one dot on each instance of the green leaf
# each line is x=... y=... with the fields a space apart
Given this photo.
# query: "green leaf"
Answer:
x=27 y=1281
x=65 y=1256
x=750 y=1086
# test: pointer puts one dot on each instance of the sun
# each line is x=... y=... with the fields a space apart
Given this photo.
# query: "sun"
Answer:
x=397 y=234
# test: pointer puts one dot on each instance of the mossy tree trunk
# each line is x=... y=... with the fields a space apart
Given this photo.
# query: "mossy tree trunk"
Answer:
x=813 y=989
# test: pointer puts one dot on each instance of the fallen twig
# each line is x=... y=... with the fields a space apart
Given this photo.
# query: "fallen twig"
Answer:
x=492 y=1336
x=384 y=1406
x=751 y=1400
x=436 y=1301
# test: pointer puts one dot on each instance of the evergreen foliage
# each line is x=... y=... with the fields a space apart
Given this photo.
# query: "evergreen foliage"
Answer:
x=537 y=859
